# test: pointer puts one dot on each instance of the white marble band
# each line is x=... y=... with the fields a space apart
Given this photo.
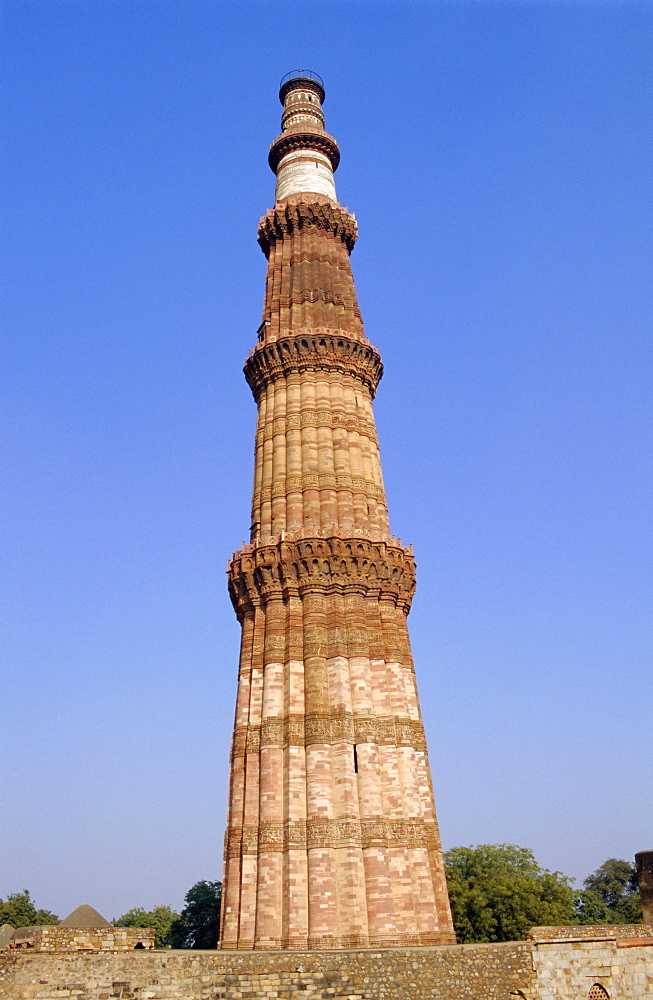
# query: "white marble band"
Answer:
x=305 y=170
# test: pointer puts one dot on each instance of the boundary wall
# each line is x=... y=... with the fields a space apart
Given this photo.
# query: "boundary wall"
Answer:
x=563 y=963
x=568 y=962
x=454 y=972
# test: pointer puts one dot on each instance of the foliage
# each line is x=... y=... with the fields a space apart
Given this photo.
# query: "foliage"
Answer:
x=199 y=923
x=610 y=895
x=498 y=892
x=19 y=911
x=161 y=918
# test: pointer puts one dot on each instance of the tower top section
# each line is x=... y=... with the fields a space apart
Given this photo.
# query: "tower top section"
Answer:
x=301 y=78
x=304 y=156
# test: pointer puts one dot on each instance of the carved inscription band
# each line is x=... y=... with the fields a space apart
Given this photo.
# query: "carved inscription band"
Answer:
x=299 y=484
x=306 y=352
x=305 y=730
x=316 y=418
x=306 y=834
x=260 y=574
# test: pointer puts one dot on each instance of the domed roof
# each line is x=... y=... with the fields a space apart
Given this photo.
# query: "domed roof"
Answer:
x=84 y=916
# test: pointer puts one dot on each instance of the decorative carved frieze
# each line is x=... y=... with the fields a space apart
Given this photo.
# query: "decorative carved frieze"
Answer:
x=386 y=732
x=278 y=836
x=259 y=574
x=270 y=836
x=329 y=730
x=288 y=217
x=294 y=731
x=253 y=739
x=316 y=418
x=250 y=838
x=239 y=742
x=233 y=843
x=299 y=484
x=310 y=353
x=272 y=733
x=366 y=729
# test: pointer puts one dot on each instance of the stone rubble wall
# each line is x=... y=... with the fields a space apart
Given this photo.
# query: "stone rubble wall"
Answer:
x=462 y=972
x=57 y=938
x=557 y=963
x=586 y=932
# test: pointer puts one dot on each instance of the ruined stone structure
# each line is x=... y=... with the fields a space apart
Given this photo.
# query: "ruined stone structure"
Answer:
x=83 y=930
x=332 y=838
x=57 y=938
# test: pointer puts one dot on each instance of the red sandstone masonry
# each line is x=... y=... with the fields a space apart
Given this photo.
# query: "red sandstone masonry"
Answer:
x=332 y=838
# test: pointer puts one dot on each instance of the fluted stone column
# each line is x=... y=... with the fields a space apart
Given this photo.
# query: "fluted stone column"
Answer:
x=332 y=838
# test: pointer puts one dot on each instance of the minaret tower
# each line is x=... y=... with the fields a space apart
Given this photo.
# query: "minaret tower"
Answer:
x=332 y=838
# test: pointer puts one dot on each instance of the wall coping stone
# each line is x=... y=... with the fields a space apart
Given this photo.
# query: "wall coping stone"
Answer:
x=589 y=932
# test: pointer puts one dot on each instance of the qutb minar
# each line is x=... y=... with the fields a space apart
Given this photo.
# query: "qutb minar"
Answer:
x=332 y=838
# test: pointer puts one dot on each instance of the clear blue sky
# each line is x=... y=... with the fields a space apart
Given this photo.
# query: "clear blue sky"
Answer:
x=498 y=159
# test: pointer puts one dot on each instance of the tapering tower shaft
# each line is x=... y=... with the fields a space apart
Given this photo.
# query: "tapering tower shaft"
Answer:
x=332 y=838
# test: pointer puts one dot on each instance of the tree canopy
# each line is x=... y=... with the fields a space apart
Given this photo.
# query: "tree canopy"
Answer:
x=610 y=895
x=198 y=925
x=161 y=918
x=19 y=911
x=498 y=892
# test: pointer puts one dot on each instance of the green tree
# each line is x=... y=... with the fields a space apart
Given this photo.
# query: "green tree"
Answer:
x=498 y=892
x=610 y=895
x=199 y=923
x=161 y=918
x=19 y=911
x=589 y=908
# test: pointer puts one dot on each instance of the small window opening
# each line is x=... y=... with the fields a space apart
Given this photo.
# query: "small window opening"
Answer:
x=355 y=760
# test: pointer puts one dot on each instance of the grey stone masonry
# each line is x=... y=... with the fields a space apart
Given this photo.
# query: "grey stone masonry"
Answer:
x=463 y=972
x=556 y=963
x=58 y=938
x=569 y=961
